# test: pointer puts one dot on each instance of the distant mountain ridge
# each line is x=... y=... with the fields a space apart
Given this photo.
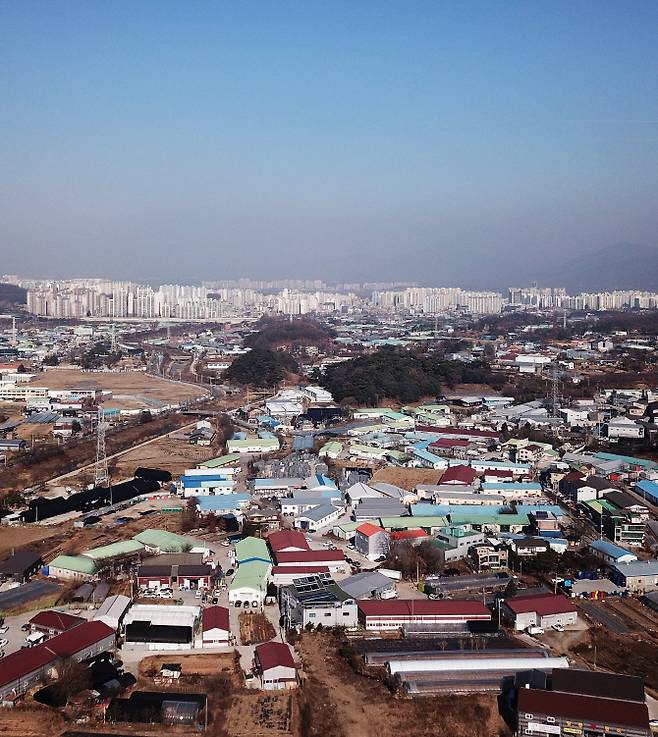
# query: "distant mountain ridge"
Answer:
x=622 y=266
x=12 y=294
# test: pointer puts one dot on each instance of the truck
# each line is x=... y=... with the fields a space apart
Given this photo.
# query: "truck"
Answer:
x=35 y=638
x=388 y=594
x=533 y=630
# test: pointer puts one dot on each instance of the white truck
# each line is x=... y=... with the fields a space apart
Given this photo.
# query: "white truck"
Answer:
x=533 y=630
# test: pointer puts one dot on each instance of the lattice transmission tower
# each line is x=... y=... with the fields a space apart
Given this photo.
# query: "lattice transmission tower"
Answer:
x=101 y=474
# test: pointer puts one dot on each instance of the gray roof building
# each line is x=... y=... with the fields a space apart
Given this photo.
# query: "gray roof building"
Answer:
x=367 y=585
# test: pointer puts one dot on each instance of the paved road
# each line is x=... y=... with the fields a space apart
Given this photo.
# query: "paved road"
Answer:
x=599 y=614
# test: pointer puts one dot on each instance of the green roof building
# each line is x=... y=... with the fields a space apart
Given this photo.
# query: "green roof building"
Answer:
x=115 y=550
x=250 y=583
x=252 y=549
x=230 y=459
x=163 y=541
x=73 y=567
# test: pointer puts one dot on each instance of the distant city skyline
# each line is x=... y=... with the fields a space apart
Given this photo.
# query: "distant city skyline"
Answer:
x=461 y=143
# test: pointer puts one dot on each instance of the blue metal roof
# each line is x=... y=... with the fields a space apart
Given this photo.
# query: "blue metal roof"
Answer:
x=648 y=489
x=611 y=550
x=222 y=502
x=193 y=478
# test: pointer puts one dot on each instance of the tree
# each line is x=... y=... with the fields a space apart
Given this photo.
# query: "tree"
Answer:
x=72 y=677
x=190 y=517
x=261 y=368
x=52 y=359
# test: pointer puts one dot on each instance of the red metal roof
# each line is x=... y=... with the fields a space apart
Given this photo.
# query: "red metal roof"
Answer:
x=79 y=638
x=501 y=473
x=282 y=570
x=408 y=535
x=368 y=529
x=449 y=443
x=310 y=556
x=543 y=604
x=422 y=607
x=274 y=654
x=216 y=617
x=584 y=708
x=60 y=621
x=460 y=474
x=66 y=645
x=287 y=539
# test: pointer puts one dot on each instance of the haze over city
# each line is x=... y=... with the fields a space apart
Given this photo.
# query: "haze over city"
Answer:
x=442 y=143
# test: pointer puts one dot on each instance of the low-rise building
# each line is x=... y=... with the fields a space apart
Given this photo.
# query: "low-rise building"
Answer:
x=610 y=553
x=275 y=666
x=73 y=568
x=53 y=622
x=215 y=626
x=604 y=711
x=314 y=600
x=316 y=518
x=487 y=556
x=637 y=576
x=21 y=566
x=371 y=541
x=542 y=610
x=397 y=613
x=26 y=668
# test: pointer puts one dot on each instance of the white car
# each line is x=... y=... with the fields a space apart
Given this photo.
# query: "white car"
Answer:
x=4 y=641
x=225 y=543
x=3 y=629
x=558 y=627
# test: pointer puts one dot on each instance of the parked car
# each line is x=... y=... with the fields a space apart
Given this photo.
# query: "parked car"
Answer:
x=4 y=641
x=4 y=629
x=229 y=573
x=558 y=627
x=25 y=627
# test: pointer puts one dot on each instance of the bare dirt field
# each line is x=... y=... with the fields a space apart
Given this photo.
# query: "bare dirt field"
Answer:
x=633 y=655
x=19 y=537
x=131 y=389
x=255 y=628
x=30 y=721
x=254 y=714
x=169 y=454
x=208 y=664
x=407 y=478
x=337 y=701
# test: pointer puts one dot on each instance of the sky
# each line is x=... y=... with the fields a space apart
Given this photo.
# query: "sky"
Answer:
x=456 y=142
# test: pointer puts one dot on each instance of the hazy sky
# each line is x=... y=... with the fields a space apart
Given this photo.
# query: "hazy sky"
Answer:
x=445 y=142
